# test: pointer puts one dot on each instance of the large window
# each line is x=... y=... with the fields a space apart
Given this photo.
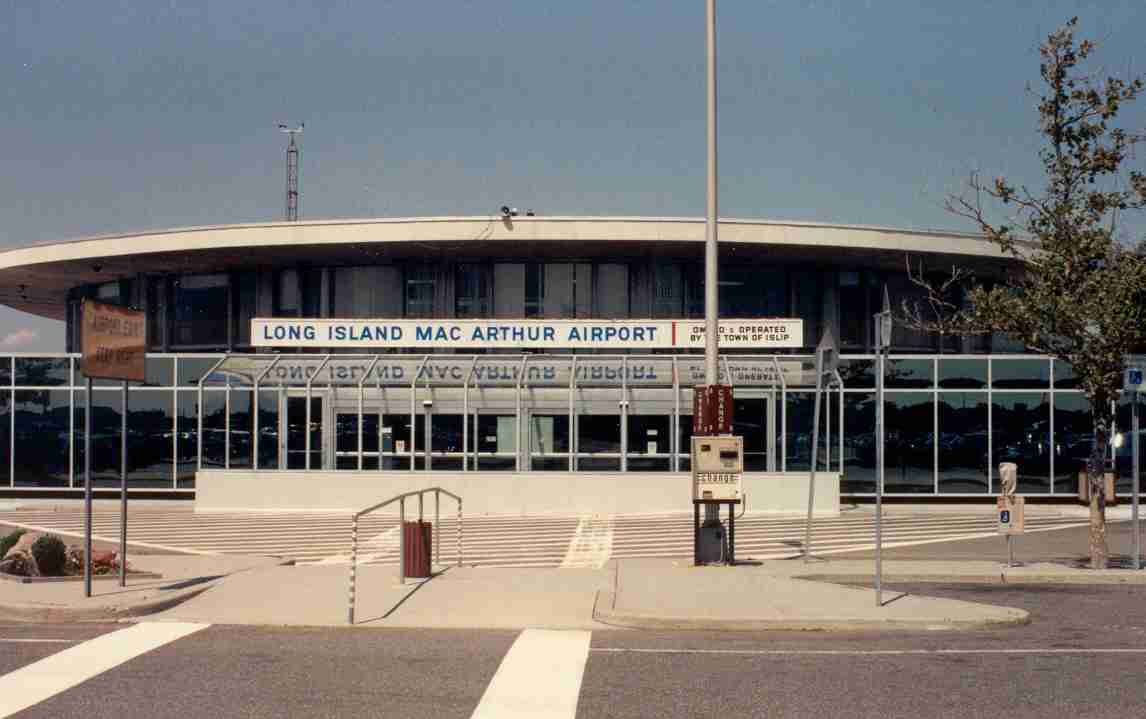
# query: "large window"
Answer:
x=473 y=290
x=420 y=287
x=368 y=292
x=1020 y=428
x=963 y=440
x=201 y=311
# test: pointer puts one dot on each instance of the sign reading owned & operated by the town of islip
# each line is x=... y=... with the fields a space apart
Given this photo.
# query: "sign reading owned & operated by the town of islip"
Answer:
x=767 y=333
x=113 y=341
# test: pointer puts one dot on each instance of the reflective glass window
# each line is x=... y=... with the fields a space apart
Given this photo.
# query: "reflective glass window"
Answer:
x=201 y=310
x=246 y=297
x=420 y=290
x=1020 y=373
x=859 y=443
x=668 y=290
x=909 y=373
x=367 y=292
x=611 y=294
x=1073 y=434
x=1020 y=433
x=909 y=443
x=192 y=369
x=963 y=441
x=753 y=291
x=496 y=442
x=107 y=418
x=150 y=438
x=5 y=371
x=269 y=429
x=41 y=441
x=5 y=437
x=214 y=429
x=43 y=371
x=800 y=408
x=473 y=290
x=239 y=436
x=1064 y=376
x=750 y=421
x=857 y=373
x=854 y=314
x=962 y=373
x=186 y=438
x=288 y=294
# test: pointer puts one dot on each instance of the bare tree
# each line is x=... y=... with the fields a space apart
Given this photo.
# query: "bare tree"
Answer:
x=1079 y=296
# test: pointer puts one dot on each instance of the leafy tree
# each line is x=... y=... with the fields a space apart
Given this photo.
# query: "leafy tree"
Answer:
x=1079 y=295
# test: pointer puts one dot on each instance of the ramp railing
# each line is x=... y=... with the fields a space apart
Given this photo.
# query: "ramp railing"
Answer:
x=401 y=500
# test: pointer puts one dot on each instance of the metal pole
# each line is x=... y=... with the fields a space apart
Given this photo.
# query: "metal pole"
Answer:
x=815 y=446
x=459 y=532
x=711 y=256
x=879 y=483
x=88 y=489
x=353 y=569
x=1135 y=487
x=1010 y=551
x=437 y=534
x=123 y=493
x=402 y=539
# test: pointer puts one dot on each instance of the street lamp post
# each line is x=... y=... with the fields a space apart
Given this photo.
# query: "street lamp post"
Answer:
x=711 y=257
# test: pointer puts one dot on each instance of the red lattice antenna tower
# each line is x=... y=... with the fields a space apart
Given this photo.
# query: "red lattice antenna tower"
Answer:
x=292 y=171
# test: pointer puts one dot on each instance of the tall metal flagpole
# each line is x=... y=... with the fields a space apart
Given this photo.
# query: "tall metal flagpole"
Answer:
x=711 y=257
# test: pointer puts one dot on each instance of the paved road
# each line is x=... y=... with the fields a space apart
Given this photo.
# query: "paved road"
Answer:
x=1082 y=655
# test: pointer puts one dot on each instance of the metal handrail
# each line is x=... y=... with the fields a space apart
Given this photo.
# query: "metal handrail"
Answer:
x=401 y=499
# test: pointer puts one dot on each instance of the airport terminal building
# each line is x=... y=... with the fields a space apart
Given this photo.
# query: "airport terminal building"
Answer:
x=240 y=423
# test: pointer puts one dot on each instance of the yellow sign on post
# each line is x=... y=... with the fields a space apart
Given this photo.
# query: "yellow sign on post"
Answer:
x=113 y=342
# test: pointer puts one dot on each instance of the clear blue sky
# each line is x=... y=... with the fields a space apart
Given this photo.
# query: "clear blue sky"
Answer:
x=131 y=115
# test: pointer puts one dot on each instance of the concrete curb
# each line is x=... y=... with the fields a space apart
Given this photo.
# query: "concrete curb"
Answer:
x=1000 y=578
x=605 y=614
x=57 y=614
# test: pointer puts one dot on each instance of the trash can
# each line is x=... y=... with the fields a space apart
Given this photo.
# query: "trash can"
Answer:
x=419 y=545
x=1108 y=488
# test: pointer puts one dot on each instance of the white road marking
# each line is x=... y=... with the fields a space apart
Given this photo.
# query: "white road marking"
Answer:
x=539 y=677
x=592 y=543
x=864 y=652
x=44 y=679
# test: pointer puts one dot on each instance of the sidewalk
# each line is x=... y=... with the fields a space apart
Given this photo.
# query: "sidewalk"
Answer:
x=632 y=593
x=180 y=578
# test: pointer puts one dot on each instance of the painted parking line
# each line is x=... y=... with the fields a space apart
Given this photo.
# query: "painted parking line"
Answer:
x=870 y=652
x=44 y=679
x=539 y=677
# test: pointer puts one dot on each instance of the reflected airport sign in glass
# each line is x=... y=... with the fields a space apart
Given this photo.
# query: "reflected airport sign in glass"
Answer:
x=765 y=333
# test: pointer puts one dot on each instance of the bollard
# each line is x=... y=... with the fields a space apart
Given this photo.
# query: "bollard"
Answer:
x=353 y=569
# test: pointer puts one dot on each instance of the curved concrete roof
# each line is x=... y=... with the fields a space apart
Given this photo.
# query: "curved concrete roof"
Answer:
x=36 y=278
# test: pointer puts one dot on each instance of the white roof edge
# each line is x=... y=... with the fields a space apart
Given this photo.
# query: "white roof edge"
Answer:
x=487 y=218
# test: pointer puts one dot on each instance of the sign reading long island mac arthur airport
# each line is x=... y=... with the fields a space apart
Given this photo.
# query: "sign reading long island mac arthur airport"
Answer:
x=113 y=341
x=767 y=333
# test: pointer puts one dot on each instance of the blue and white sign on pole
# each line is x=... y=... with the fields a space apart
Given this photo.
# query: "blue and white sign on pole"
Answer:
x=763 y=333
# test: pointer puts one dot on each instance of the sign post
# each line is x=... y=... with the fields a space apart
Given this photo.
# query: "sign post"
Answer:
x=882 y=332
x=1134 y=382
x=114 y=345
x=1011 y=508
x=827 y=358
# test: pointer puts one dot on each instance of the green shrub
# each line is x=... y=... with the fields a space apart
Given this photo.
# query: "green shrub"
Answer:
x=50 y=553
x=9 y=540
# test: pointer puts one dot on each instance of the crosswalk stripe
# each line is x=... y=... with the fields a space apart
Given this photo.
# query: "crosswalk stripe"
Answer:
x=539 y=677
x=47 y=677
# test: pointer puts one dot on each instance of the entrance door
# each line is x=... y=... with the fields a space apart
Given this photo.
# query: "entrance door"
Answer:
x=297 y=454
x=752 y=419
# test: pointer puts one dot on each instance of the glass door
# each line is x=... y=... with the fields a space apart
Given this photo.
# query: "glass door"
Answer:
x=299 y=456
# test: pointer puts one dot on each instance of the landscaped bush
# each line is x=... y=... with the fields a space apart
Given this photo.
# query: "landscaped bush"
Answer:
x=9 y=540
x=50 y=553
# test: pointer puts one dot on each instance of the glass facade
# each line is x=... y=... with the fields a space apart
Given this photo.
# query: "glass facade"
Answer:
x=950 y=419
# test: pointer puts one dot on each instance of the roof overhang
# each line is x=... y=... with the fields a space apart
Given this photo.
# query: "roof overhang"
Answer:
x=36 y=278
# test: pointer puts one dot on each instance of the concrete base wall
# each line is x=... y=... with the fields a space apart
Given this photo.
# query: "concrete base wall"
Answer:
x=503 y=492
